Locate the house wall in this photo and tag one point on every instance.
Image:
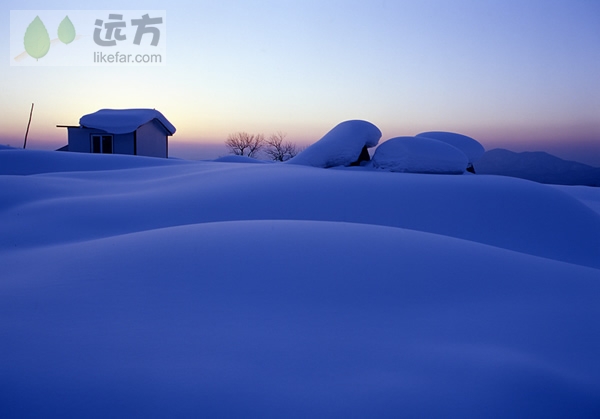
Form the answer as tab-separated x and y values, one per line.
123	143
80	140
152	140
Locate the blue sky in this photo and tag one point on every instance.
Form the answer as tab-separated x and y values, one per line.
521	75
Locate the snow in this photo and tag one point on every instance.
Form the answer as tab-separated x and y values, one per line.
341	146
213	289
471	147
419	155
589	196
27	162
238	159
123	121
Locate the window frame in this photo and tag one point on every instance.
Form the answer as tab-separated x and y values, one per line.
101	146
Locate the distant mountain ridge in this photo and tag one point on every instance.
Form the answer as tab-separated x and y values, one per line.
538	166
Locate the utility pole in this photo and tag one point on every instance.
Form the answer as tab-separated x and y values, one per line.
28	124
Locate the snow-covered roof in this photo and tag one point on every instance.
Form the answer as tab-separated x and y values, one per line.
123	121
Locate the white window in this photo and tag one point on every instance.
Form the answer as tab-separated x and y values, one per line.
102	144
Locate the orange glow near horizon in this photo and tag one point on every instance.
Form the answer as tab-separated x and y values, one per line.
303	67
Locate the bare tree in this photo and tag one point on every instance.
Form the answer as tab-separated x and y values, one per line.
277	150
244	144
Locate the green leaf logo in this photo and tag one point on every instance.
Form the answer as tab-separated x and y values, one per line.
66	31
37	40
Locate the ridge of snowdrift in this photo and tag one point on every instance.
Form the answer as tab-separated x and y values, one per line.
509	213
272	290
32	162
333	312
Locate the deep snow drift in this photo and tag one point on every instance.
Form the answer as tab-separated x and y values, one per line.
157	288
471	147
341	146
419	155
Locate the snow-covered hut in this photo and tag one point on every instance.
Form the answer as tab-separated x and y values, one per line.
142	132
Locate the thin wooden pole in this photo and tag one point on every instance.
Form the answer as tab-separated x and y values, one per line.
28	124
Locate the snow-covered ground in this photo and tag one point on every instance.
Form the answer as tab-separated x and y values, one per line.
140	287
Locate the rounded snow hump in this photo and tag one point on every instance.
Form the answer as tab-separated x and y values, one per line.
471	147
342	146
419	155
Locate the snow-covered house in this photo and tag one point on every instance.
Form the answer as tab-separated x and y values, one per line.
142	132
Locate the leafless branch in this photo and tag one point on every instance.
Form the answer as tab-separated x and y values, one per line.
244	144
277	150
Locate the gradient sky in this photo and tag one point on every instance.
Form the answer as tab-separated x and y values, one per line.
518	74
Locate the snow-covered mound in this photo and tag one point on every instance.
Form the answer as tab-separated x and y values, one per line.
589	196
500	211
123	121
537	166
207	289
238	159
342	146
471	147
28	162
292	318
419	155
